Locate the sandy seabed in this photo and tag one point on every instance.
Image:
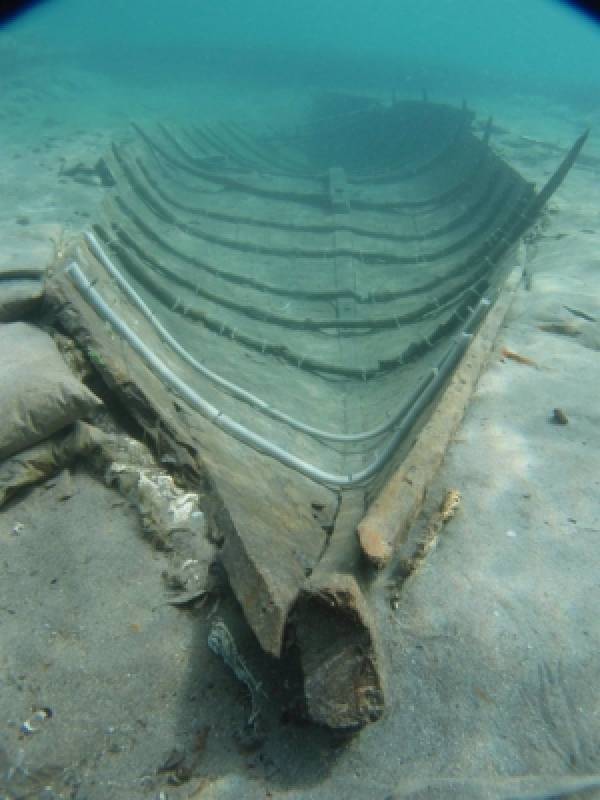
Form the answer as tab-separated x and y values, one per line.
492	653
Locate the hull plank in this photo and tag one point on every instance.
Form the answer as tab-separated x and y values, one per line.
284	312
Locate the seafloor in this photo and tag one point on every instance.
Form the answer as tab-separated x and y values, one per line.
492	654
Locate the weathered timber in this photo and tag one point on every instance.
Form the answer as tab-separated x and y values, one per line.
389	518
285	316
338	190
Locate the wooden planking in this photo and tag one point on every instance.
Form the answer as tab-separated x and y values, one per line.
287	287
389	518
269	267
271	508
254	252
307	250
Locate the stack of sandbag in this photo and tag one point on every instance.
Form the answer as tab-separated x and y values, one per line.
19	298
40	399
42	428
24	257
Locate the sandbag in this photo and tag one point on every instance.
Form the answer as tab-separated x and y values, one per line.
36	463
19	298
38	393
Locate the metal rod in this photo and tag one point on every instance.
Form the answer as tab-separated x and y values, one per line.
254	440
229	386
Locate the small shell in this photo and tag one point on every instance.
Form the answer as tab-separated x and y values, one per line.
27	729
39	715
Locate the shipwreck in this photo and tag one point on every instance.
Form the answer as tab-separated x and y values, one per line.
288	309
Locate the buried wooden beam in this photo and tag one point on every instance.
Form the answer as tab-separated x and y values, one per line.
344	678
341	663
389	518
336	634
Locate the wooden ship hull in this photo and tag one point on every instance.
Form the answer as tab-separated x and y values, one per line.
284	311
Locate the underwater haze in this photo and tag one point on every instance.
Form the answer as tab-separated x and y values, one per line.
444	45
299	420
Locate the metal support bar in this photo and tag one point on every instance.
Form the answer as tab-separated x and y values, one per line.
254	440
232	388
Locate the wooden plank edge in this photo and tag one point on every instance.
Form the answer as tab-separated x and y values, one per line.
389	518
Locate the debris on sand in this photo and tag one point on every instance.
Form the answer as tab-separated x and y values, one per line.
517	357
561	328
222	643
425	544
559	417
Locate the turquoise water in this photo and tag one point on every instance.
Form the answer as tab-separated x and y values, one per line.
538	45
493	649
